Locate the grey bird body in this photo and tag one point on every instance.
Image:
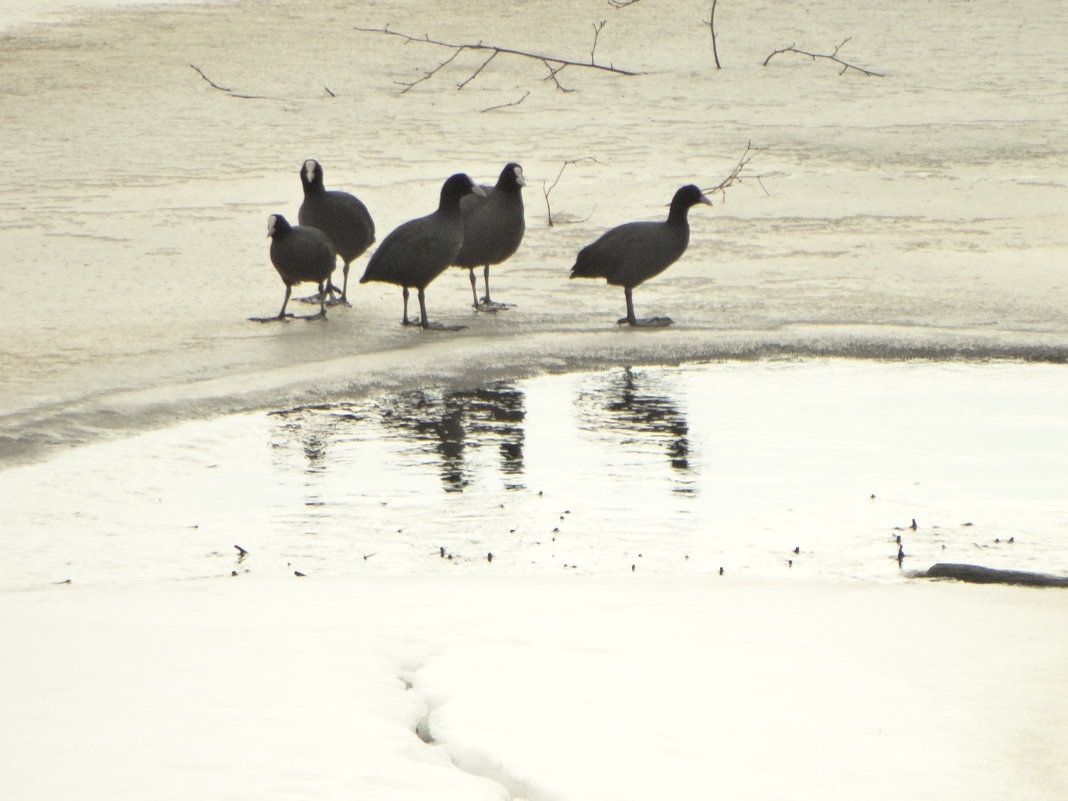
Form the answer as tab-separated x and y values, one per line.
632	253
418	251
494	225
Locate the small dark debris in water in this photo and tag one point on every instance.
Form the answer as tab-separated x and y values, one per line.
65	581
721	571
966	525
633	568
914	526
241	552
797	549
441	551
556	530
789	562
449	557
1009	541
367	556
233	573
489	556
298	574
871	497
897	537
900	555
511	531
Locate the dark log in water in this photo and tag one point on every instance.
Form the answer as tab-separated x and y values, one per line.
989	575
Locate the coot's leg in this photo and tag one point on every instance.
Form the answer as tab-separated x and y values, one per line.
281	315
426	322
404	319
629	319
647	322
345	288
474	285
486	304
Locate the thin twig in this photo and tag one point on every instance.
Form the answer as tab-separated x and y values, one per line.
506	105
211	83
474	74
554	63
830	57
226	89
597	28
739	175
712	27
547	189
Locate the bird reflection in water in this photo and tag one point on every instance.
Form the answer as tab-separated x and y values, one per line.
448	423
632	408
452	422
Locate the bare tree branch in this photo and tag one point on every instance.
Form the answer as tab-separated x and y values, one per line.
739	174
554	63
830	57
547	189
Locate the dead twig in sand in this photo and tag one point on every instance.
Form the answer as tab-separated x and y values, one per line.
506	105
227	89
554	64
547	189
711	23
739	174
828	56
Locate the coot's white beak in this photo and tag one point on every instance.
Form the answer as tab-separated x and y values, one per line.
519	179
478	190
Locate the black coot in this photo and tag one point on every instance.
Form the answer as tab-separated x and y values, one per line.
299	253
493	229
341	216
417	252
634	252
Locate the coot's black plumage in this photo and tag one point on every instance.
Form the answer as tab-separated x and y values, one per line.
418	251
299	253
493	228
634	252
341	216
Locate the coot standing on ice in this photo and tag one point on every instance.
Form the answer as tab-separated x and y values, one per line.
299	253
418	251
634	252
493	228
341	216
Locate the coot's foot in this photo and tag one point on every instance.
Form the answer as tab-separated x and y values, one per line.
647	322
276	319
443	327
487	305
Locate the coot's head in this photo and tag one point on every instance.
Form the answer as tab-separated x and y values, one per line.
689	195
459	185
277	224
511	177
311	174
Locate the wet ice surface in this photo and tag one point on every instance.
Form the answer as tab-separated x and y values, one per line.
678	471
